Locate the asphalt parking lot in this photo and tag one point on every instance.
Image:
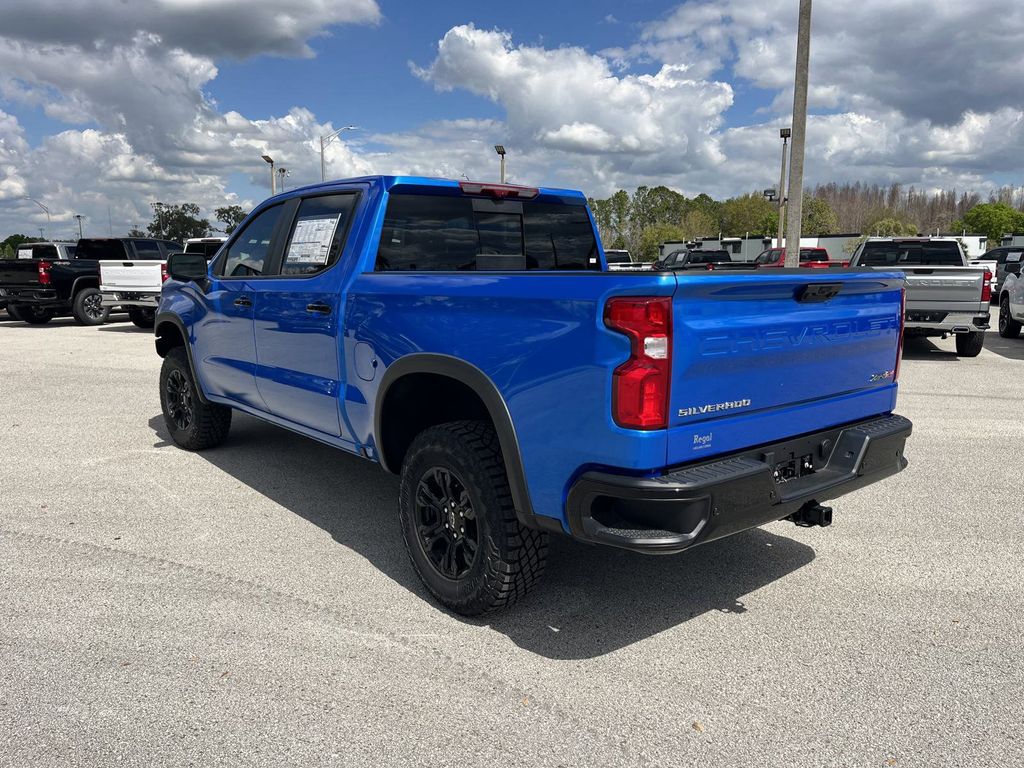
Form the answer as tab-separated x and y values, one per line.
253	605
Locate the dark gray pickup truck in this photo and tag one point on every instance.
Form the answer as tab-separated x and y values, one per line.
945	296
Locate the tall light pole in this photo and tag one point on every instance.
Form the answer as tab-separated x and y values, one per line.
79	217
794	210
273	178
500	149
784	134
47	210
282	172
324	141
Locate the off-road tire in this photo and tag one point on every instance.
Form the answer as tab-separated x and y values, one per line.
32	315
207	425
1008	327
143	317
87	309
970	344
509	558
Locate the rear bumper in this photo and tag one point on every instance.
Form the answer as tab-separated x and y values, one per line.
129	298
947	322
36	296
699	503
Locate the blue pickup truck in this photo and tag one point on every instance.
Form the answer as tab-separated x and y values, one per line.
470	338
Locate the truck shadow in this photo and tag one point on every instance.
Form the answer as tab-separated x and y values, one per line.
592	600
923	348
1012	349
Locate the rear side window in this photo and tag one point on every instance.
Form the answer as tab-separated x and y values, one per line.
247	256
318	235
44	252
112	250
440	233
148	250
894	254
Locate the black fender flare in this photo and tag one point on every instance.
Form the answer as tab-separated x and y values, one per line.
165	318
83	279
481	384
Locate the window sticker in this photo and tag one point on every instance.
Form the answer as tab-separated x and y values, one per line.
311	242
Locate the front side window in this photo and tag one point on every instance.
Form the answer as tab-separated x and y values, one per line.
442	233
248	254
317	237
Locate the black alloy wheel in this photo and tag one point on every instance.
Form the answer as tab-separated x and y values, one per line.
446	523
93	306
179	400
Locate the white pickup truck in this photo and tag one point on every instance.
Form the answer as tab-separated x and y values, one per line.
136	283
945	294
1011	298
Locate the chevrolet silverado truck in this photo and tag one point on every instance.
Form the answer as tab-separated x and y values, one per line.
41	288
47	251
470	338
135	283
1011	297
945	295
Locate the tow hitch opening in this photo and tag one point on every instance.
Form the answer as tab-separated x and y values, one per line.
811	514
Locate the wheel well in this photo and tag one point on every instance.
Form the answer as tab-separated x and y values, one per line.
168	336
417	401
84	282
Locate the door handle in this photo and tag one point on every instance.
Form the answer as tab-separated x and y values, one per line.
320	309
243	301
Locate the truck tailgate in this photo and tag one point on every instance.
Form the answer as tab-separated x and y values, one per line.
131	275
950	289
758	357
19	272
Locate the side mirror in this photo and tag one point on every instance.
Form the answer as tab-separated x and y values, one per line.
187	267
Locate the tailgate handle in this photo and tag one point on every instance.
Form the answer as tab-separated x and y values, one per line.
815	293
127	264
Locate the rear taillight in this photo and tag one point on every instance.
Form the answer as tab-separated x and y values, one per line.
44	272
986	290
903	324
640	386
163	273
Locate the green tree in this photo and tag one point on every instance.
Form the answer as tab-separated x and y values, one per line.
178	222
710	208
817	217
890	226
654	235
15	240
992	219
748	214
6	252
697	223
230	216
136	232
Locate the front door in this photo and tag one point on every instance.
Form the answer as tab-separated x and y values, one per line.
225	345
297	323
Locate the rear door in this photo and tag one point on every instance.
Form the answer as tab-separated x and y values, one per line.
297	317
225	347
759	356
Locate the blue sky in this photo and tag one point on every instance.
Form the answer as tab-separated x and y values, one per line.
107	104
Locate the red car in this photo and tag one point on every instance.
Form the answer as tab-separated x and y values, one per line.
816	258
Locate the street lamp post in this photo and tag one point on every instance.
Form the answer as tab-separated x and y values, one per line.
79	217
273	178
794	211
47	211
784	134
282	172
324	141
500	149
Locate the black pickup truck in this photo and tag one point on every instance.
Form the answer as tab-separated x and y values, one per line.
39	289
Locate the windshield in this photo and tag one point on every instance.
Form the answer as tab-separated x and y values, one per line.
884	253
